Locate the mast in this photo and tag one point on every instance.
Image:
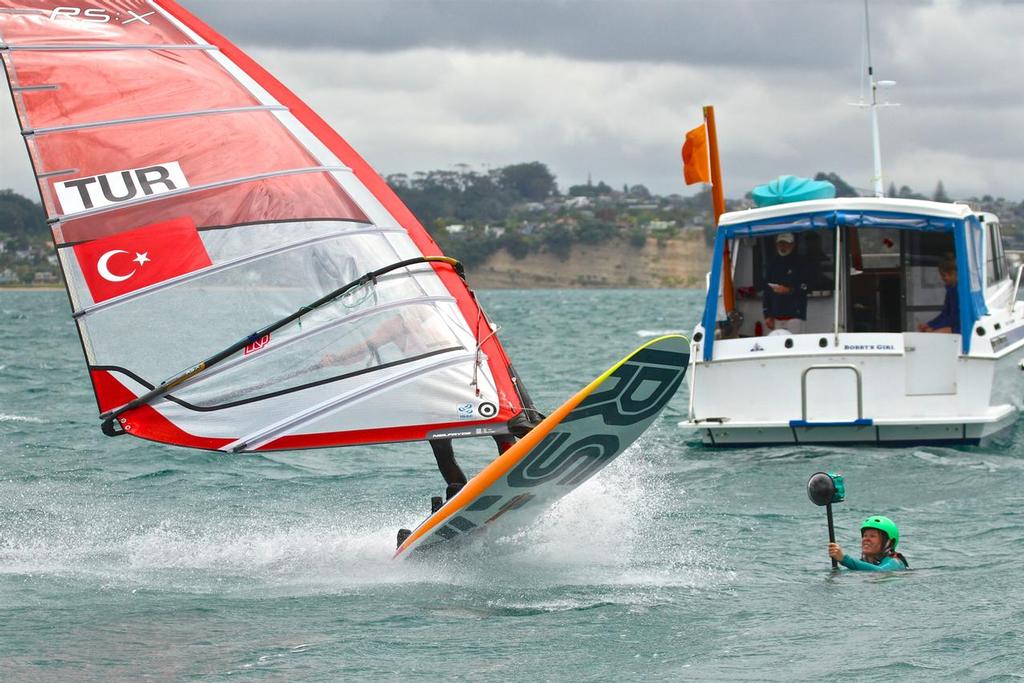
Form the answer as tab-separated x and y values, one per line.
873	105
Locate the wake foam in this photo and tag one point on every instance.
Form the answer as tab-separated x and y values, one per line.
624	534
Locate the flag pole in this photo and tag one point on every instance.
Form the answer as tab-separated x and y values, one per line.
718	204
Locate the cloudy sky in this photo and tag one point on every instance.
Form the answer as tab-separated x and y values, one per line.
608	88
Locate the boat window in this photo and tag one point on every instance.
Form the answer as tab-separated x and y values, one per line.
879	248
925	292
815	249
874	288
995	257
812	269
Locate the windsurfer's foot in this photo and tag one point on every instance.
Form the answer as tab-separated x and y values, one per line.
522	423
402	535
435	503
452	490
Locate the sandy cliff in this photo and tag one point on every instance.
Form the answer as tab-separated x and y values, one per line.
679	262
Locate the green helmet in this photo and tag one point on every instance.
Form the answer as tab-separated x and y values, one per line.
883	524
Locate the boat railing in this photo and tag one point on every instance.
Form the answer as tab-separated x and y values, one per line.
803	422
1016	286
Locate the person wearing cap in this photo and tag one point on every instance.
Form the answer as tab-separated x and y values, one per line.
784	299
878	538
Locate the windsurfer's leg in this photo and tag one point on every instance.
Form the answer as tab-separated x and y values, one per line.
504	441
445	456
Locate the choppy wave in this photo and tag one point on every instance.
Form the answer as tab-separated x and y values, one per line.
4	417
660	333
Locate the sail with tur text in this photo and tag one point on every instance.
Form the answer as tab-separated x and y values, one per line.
240	277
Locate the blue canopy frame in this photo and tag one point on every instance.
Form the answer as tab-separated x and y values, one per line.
968	239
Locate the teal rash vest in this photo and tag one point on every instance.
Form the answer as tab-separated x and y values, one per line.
888	564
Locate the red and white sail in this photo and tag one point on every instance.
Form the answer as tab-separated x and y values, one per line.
193	200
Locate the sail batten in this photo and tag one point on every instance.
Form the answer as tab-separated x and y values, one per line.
196	206
153	117
89	47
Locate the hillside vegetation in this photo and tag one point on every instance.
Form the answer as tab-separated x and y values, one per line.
512	214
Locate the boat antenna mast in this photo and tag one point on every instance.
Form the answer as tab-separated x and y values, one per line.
873	105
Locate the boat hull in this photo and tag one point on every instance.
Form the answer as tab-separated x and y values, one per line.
898	389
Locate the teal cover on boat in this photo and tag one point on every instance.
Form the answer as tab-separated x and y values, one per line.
788	188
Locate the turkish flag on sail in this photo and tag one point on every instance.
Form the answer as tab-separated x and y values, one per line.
129	260
696	167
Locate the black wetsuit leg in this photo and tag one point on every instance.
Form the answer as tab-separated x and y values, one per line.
504	441
445	456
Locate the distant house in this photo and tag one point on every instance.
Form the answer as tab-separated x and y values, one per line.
8	277
44	277
455	228
577	202
494	230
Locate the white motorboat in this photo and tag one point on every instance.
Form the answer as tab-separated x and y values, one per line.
859	370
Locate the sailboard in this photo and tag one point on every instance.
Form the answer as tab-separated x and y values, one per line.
241	279
568	447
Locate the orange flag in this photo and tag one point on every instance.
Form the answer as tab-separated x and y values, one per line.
696	168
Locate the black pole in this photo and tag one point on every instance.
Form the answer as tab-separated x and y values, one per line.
831	532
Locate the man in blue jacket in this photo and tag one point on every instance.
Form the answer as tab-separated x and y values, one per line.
948	320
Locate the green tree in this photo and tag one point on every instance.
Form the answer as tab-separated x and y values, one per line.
843	189
21	216
558	239
531	182
516	244
940	194
593	231
637	238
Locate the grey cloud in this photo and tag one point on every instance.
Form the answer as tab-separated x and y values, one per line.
805	34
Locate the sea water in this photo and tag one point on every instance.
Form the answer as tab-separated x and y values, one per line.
122	559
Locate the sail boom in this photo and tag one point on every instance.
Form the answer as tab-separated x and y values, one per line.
226	265
233	364
264	436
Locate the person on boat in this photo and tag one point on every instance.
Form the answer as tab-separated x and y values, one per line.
948	320
878	538
784	300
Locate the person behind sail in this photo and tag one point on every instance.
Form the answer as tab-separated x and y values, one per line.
878	538
405	333
784	300
414	331
948	320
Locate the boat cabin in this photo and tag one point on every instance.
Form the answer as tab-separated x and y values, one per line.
857	319
863	265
